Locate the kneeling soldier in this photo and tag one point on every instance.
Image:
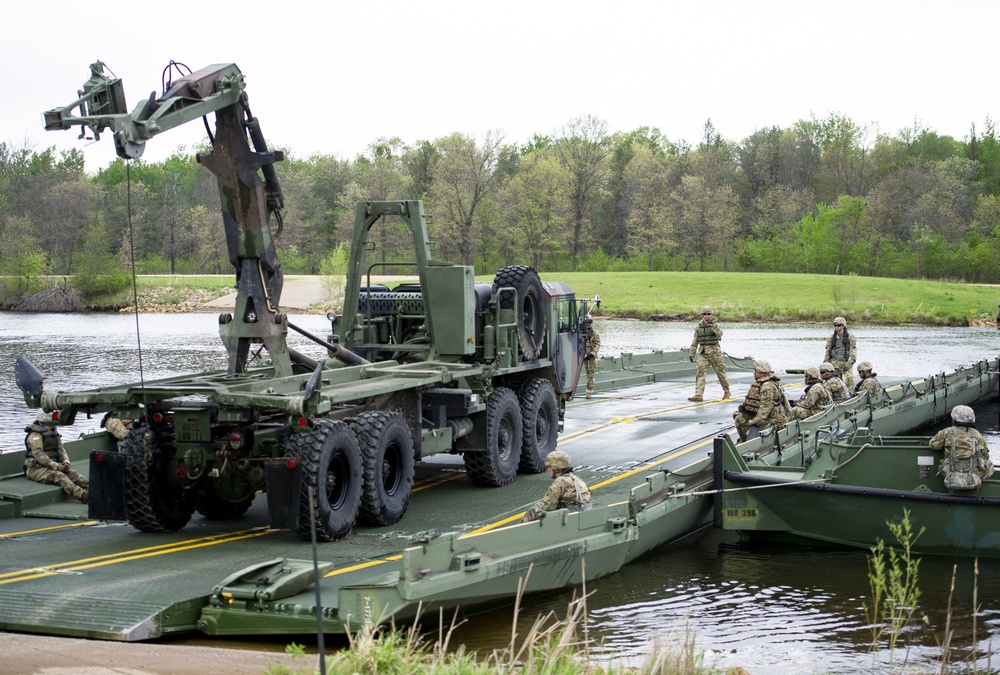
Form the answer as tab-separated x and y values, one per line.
568	491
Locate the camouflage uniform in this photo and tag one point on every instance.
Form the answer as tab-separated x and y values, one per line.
765	406
707	336
567	491
592	346
838	390
965	448
46	461
868	382
842	352
117	427
814	399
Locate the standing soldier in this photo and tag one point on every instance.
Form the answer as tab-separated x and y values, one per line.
838	390
869	380
765	406
592	345
46	461
707	336
842	351
814	398
567	491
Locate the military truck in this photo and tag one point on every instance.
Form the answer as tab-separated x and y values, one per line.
440	365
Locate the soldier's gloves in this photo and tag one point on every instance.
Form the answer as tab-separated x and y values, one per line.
691	358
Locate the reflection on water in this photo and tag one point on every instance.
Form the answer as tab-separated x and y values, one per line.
771	608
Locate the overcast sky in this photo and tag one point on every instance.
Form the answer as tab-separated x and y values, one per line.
331	77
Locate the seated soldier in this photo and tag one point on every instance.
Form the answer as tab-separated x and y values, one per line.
838	390
869	380
46	461
567	491
765	405
814	398
967	457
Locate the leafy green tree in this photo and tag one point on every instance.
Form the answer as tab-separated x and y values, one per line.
583	150
649	227
465	175
536	206
704	219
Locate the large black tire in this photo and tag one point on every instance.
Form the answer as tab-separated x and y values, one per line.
332	468
540	413
214	507
386	466
497	466
154	502
530	315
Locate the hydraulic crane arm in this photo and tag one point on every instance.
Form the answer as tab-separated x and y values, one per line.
248	201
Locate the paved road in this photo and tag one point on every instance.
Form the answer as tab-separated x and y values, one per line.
302	293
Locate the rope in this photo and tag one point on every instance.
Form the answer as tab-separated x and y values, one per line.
703	493
135	283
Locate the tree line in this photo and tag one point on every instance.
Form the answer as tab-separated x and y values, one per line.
827	196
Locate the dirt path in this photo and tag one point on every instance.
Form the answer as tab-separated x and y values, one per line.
43	655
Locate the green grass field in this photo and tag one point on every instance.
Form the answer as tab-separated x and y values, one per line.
734	296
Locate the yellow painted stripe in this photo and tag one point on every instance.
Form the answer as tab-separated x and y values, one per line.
82	523
135	554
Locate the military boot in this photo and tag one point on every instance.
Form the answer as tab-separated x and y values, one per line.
589	394
725	395
696	398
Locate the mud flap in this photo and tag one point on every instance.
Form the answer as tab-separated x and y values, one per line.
284	485
107	486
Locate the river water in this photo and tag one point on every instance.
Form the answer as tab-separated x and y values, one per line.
766	607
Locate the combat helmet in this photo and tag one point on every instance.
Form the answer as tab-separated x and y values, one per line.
864	365
44	418
762	366
706	310
812	372
826	367
963	414
558	459
841	320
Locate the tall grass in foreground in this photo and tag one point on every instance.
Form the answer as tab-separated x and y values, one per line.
893	577
551	646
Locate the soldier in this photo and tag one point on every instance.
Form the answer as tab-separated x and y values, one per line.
842	351
967	460
592	345
46	461
707	336
765	406
116	426
838	390
869	380
814	398
567	491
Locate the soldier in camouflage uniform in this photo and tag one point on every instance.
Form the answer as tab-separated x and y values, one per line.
838	390
965	448
765	406
46	461
592	345
707	336
869	380
842	351
814	398
567	491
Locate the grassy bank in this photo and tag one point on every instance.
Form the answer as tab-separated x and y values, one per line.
680	295
786	297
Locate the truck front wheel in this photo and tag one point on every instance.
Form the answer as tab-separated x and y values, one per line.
332	468
387	466
497	466
540	412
